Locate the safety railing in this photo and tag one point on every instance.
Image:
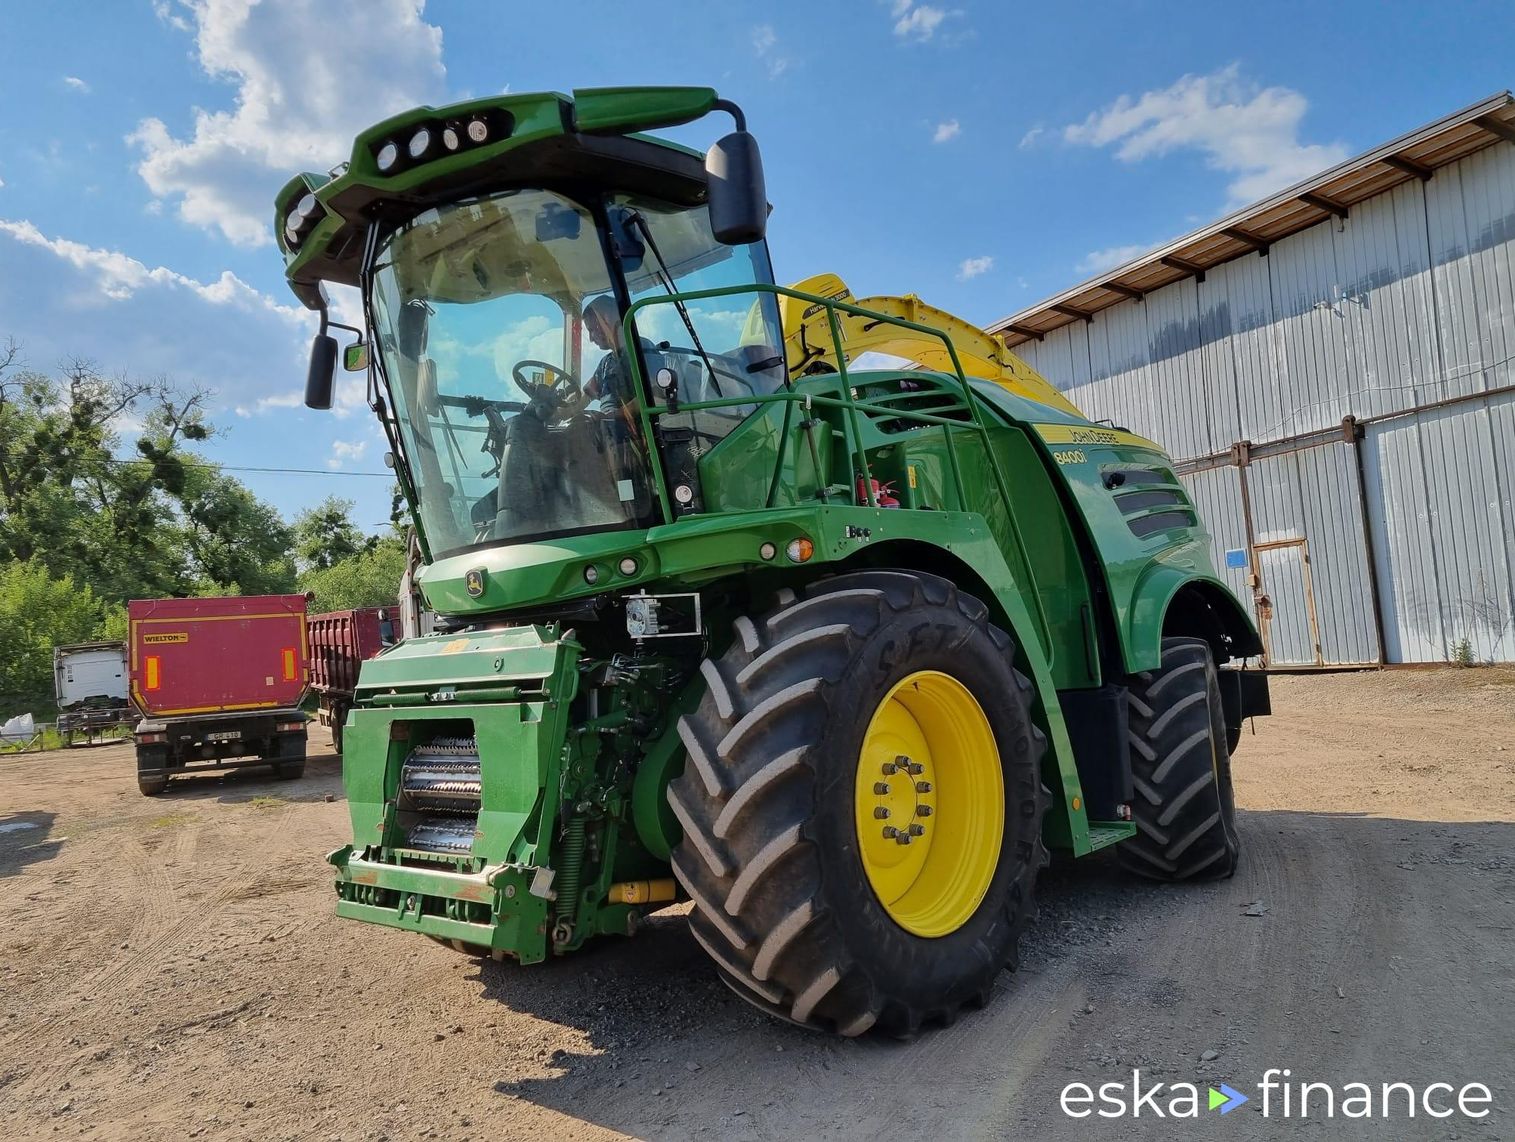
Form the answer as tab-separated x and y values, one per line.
860	473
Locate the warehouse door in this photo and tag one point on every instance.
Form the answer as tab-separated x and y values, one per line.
1290	633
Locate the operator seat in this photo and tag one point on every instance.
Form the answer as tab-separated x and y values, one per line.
530	478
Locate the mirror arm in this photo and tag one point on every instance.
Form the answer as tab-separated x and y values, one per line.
327	322
733	110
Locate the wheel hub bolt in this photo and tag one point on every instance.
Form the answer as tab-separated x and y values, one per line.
917	830
890	832
914	767
881	787
901	838
890	769
881	813
923	787
923	810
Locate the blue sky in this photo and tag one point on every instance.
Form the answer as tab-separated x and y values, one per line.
982	155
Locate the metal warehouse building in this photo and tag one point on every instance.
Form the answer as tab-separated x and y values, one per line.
1332	369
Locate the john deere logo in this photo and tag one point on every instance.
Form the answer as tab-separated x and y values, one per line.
473	582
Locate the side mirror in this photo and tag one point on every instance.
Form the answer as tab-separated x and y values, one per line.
322	371
738	200
355	357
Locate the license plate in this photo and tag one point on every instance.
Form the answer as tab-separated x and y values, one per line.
224	736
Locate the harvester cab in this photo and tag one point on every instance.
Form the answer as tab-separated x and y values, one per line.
833	653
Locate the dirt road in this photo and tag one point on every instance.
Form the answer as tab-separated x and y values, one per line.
171	967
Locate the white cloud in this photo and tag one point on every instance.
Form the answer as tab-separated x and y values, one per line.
765	45
947	131
308	74
117	276
269	404
1247	131
1098	261
66	299
1030	137
973	267
917	22
346	451
74	83
164	10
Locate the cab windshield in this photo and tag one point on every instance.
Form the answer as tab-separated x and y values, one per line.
502	344
478	309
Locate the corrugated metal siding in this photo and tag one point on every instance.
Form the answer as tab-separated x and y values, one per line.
1307	317
1217	494
1445	549
1289	629
1386	301
1311	496
1409	301
1338	553
1399	502
1249	297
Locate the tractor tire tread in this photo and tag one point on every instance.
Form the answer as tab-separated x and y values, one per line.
747	859
1184	808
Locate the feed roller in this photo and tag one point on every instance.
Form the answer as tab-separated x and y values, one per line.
441	782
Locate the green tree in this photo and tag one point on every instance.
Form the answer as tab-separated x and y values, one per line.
68	500
37	613
371	578
325	535
235	541
146	522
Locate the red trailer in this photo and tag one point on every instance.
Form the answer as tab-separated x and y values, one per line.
340	642
219	683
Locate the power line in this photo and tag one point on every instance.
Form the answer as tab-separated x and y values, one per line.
211	466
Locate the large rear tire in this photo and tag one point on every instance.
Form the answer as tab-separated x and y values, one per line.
822	890
151	786
1184	808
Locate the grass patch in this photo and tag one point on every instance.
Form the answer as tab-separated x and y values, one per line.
265	802
170	821
48	738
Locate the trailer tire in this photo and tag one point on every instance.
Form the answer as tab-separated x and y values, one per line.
784	785
290	770
338	716
151	786
1184	806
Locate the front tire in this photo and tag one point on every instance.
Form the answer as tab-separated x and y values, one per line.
1184	807
879	690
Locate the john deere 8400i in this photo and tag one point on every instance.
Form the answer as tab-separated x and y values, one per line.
834	654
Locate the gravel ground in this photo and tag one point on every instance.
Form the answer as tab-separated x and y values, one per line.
171	967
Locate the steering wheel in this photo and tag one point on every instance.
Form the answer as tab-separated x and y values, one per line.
544	389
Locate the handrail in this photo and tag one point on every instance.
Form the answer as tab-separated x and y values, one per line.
848	402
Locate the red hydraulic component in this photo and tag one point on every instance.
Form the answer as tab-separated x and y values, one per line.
882	493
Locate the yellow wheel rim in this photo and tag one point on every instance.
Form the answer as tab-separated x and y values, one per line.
930	804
